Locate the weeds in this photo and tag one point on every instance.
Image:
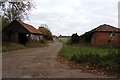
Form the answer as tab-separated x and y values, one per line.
94	55
10	46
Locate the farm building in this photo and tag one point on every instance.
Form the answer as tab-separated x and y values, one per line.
18	31
102	35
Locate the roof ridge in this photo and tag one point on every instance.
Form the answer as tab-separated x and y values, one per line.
28	27
104	25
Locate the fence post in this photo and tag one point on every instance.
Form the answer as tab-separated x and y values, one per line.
112	36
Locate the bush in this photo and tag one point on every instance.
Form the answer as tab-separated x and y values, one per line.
87	57
47	33
74	38
112	60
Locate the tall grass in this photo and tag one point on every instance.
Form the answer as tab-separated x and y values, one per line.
69	50
11	46
95	55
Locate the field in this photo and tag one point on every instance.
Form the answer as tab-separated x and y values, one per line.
95	55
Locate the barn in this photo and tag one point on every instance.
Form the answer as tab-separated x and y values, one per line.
102	35
18	31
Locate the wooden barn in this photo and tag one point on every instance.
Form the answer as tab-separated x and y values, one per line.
18	31
102	35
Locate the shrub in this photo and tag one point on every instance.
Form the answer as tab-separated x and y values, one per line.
87	57
74	38
112	60
47	33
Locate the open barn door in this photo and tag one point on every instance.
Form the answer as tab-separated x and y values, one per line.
22	37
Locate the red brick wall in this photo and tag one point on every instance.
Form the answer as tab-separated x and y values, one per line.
117	39
101	38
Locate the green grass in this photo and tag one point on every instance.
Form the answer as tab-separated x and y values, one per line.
95	55
69	50
11	46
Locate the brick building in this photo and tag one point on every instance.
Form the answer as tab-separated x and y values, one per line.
102	35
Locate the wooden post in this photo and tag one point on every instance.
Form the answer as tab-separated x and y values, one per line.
112	36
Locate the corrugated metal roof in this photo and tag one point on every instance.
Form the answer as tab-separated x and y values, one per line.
30	28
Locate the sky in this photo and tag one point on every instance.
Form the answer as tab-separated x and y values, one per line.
65	17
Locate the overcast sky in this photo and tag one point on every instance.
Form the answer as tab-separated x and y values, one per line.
73	16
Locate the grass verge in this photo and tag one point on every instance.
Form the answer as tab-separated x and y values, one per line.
93	55
11	46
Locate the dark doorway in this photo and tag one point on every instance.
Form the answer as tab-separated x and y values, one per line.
88	38
22	38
